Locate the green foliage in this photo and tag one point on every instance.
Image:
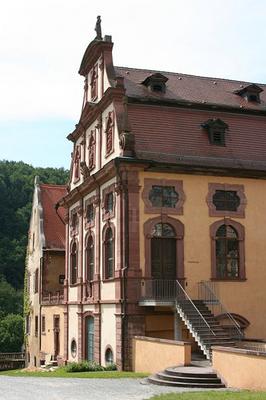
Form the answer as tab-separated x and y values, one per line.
212	395
16	191
84	366
110	367
11	333
10	299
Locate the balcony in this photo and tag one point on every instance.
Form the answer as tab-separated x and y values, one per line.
158	292
56	297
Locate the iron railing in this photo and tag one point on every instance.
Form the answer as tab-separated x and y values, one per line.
207	293
161	290
12	356
53	297
183	300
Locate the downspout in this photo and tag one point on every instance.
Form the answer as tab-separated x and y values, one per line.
125	261
40	303
66	277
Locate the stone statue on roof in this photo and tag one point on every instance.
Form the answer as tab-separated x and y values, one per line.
98	28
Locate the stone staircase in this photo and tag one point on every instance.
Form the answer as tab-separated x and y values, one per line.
202	325
190	377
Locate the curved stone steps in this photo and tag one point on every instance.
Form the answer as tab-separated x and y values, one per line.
190	377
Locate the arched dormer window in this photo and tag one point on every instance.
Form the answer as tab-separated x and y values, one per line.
109	251
156	83
250	92
227	250
90	259
74	264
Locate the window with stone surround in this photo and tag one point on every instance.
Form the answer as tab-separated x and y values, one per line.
73	263
163	195
108	202
109	252
226	200
227	250
90	258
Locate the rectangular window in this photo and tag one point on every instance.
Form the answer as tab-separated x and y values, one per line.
36	281
56	322
36	325
43	323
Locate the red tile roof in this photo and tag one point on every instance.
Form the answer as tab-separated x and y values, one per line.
190	88
54	228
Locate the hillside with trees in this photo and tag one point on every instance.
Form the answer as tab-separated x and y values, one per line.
16	191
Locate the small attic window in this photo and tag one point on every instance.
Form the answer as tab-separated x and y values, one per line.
216	129
251	93
156	83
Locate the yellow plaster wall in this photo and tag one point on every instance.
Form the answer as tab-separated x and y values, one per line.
246	298
47	338
55	268
153	355
243	371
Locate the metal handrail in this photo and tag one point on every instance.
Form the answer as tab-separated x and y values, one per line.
215	300
179	286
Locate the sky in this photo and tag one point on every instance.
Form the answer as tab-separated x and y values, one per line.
42	43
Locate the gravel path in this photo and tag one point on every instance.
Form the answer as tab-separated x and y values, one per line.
18	388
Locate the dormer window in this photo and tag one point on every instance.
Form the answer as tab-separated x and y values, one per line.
251	93
216	131
156	83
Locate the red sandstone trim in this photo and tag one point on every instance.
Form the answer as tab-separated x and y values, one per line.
224	186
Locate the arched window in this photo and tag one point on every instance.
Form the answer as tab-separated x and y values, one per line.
73	263
90	259
109	253
227	250
163	252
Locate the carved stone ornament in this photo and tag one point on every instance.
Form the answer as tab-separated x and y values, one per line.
127	143
98	28
84	169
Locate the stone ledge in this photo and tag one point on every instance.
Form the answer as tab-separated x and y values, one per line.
238	351
158	340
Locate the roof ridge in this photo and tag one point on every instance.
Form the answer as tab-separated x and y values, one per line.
51	185
190	75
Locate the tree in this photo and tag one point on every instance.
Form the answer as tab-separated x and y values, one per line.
11	333
10	299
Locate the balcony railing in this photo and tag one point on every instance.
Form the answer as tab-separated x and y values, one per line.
159	290
53	297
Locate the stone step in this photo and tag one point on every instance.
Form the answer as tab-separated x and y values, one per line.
195	379
157	381
190	376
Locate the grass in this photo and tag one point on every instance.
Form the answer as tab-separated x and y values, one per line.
62	373
225	395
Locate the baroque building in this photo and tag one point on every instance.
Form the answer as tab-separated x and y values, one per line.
166	203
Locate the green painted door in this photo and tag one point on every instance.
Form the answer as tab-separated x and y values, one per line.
90	338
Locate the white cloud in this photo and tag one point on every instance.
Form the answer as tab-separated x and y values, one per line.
42	43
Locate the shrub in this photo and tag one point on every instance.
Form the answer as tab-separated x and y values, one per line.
84	366
110	367
88	366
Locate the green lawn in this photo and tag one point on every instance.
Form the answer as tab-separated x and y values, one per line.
61	373
241	395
